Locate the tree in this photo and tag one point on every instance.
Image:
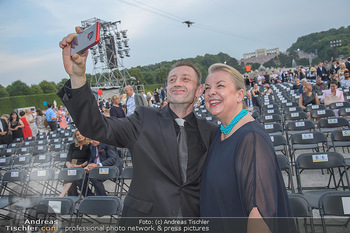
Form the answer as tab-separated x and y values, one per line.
48	87
136	72
18	88
161	75
61	83
149	77
3	92
36	89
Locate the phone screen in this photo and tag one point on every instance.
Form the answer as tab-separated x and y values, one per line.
85	40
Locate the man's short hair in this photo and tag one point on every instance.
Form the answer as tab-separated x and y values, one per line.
190	64
49	105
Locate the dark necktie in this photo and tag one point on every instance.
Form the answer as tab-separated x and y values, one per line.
182	148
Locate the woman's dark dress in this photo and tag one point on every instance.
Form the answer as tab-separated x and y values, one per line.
81	156
242	172
16	133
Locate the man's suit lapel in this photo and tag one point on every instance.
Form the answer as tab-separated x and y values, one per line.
169	141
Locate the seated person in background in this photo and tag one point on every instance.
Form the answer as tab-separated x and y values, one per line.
320	86
78	156
267	89
308	97
345	83
303	83
102	155
255	95
334	77
332	95
296	83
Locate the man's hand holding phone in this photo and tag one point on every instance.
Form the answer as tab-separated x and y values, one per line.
74	65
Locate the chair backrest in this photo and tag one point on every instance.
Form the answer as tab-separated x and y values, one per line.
273	127
104	173
14	176
320	160
9	151
335	203
295	116
41	158
60	157
270	118
14	145
56	205
100	205
42	175
300	125
71	174
28	143
57	147
278	140
22	160
289	104
24	151
127	173
341	135
339	105
308	138
309	108
55	141
333	123
300	206
322	113
292	109
29	139
344	112
5	163
271	111
40	149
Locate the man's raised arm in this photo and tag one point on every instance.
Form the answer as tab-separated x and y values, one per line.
75	65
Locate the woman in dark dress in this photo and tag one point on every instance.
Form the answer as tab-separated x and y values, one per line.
78	156
16	126
308	97
241	177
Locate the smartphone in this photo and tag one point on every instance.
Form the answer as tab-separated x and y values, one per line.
85	40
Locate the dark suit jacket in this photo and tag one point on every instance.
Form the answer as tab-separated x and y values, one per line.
5	139
322	73
156	189
108	155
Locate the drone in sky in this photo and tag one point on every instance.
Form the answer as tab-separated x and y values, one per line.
189	23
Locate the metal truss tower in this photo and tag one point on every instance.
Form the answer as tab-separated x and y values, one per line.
107	56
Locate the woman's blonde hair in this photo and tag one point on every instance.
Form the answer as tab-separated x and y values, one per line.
86	141
237	78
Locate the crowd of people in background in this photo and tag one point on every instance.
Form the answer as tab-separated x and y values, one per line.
28	123
316	84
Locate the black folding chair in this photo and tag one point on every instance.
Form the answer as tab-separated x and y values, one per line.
308	163
335	204
301	209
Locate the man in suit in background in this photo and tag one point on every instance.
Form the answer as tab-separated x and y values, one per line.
322	72
5	137
158	187
133	100
102	155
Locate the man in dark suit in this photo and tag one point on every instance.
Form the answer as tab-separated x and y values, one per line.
5	137
158	188
102	155
133	100
322	72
